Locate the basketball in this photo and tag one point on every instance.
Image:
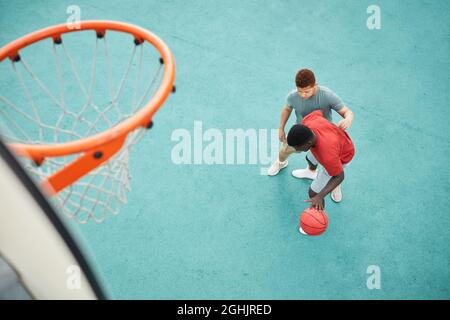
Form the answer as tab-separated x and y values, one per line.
314	222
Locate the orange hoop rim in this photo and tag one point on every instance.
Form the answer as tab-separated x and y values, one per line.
141	118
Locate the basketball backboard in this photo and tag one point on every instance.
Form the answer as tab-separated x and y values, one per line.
40	257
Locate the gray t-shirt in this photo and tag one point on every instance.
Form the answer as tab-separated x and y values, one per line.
324	100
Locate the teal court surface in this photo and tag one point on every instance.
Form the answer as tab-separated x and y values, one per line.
202	229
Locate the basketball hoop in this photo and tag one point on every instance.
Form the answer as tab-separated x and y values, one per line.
80	154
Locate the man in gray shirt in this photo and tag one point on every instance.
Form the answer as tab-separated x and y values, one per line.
308	97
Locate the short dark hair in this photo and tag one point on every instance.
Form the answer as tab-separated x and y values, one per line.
305	78
299	135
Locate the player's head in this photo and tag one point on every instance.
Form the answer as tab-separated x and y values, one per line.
306	83
300	137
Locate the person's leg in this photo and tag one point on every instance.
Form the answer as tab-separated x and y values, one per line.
281	162
319	183
311	171
336	194
312	162
285	151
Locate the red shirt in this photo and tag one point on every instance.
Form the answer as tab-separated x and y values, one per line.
333	148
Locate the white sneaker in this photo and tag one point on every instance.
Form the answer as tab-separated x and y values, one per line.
276	167
336	194
301	231
305	173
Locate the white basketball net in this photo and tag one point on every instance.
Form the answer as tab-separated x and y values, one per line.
53	105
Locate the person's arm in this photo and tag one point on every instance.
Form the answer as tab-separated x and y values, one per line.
347	114
317	200
285	113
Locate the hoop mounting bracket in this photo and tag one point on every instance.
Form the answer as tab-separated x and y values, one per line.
81	166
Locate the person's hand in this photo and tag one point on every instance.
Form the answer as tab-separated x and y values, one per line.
344	124
282	135
316	202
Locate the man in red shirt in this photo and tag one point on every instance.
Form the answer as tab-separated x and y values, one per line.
332	148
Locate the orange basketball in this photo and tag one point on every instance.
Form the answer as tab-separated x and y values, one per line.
314	222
